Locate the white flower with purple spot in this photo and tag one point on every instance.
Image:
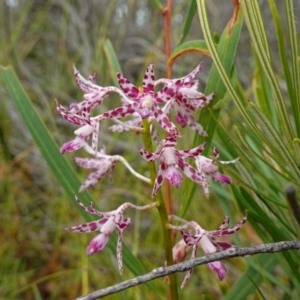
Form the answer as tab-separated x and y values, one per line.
83	133
106	225
187	99
208	167
145	102
104	165
207	240
172	161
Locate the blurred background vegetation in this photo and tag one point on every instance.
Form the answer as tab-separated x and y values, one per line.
39	260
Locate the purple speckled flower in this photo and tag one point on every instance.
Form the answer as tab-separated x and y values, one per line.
104	164
106	225
207	240
80	113
145	102
171	160
208	167
187	99
88	128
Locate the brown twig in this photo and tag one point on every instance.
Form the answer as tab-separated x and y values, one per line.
184	266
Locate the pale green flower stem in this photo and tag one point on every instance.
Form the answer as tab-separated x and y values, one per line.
162	211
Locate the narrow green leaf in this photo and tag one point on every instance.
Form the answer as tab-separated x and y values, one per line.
253	20
113	62
227	46
296	144
294	40
275	140
281	40
255	154
190	46
256	287
188	20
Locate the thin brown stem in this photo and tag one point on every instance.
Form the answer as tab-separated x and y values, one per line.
167	12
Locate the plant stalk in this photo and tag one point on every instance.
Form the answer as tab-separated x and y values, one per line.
162	212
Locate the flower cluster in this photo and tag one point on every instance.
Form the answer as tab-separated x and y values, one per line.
156	105
207	240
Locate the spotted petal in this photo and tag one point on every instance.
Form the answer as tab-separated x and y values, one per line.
71	117
164	121
148	82
103	166
230	230
98	243
120	112
86	86
192	152
148	155
190	172
225	223
74	145
190	121
129	89
88	227
219	268
168	92
160	176
190	239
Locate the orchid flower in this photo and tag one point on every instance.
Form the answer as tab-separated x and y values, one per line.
187	99
79	113
171	160
104	164
145	102
83	133
94	94
208	167
106	225
207	240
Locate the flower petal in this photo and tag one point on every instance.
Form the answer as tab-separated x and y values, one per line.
97	244
174	176
88	227
148	155
123	225
129	89
230	230
191	153
179	251
119	252
148	82
219	268
72	118
160	176
74	145
222	178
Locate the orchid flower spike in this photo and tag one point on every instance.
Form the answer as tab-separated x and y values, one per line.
171	160
207	240
106	225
